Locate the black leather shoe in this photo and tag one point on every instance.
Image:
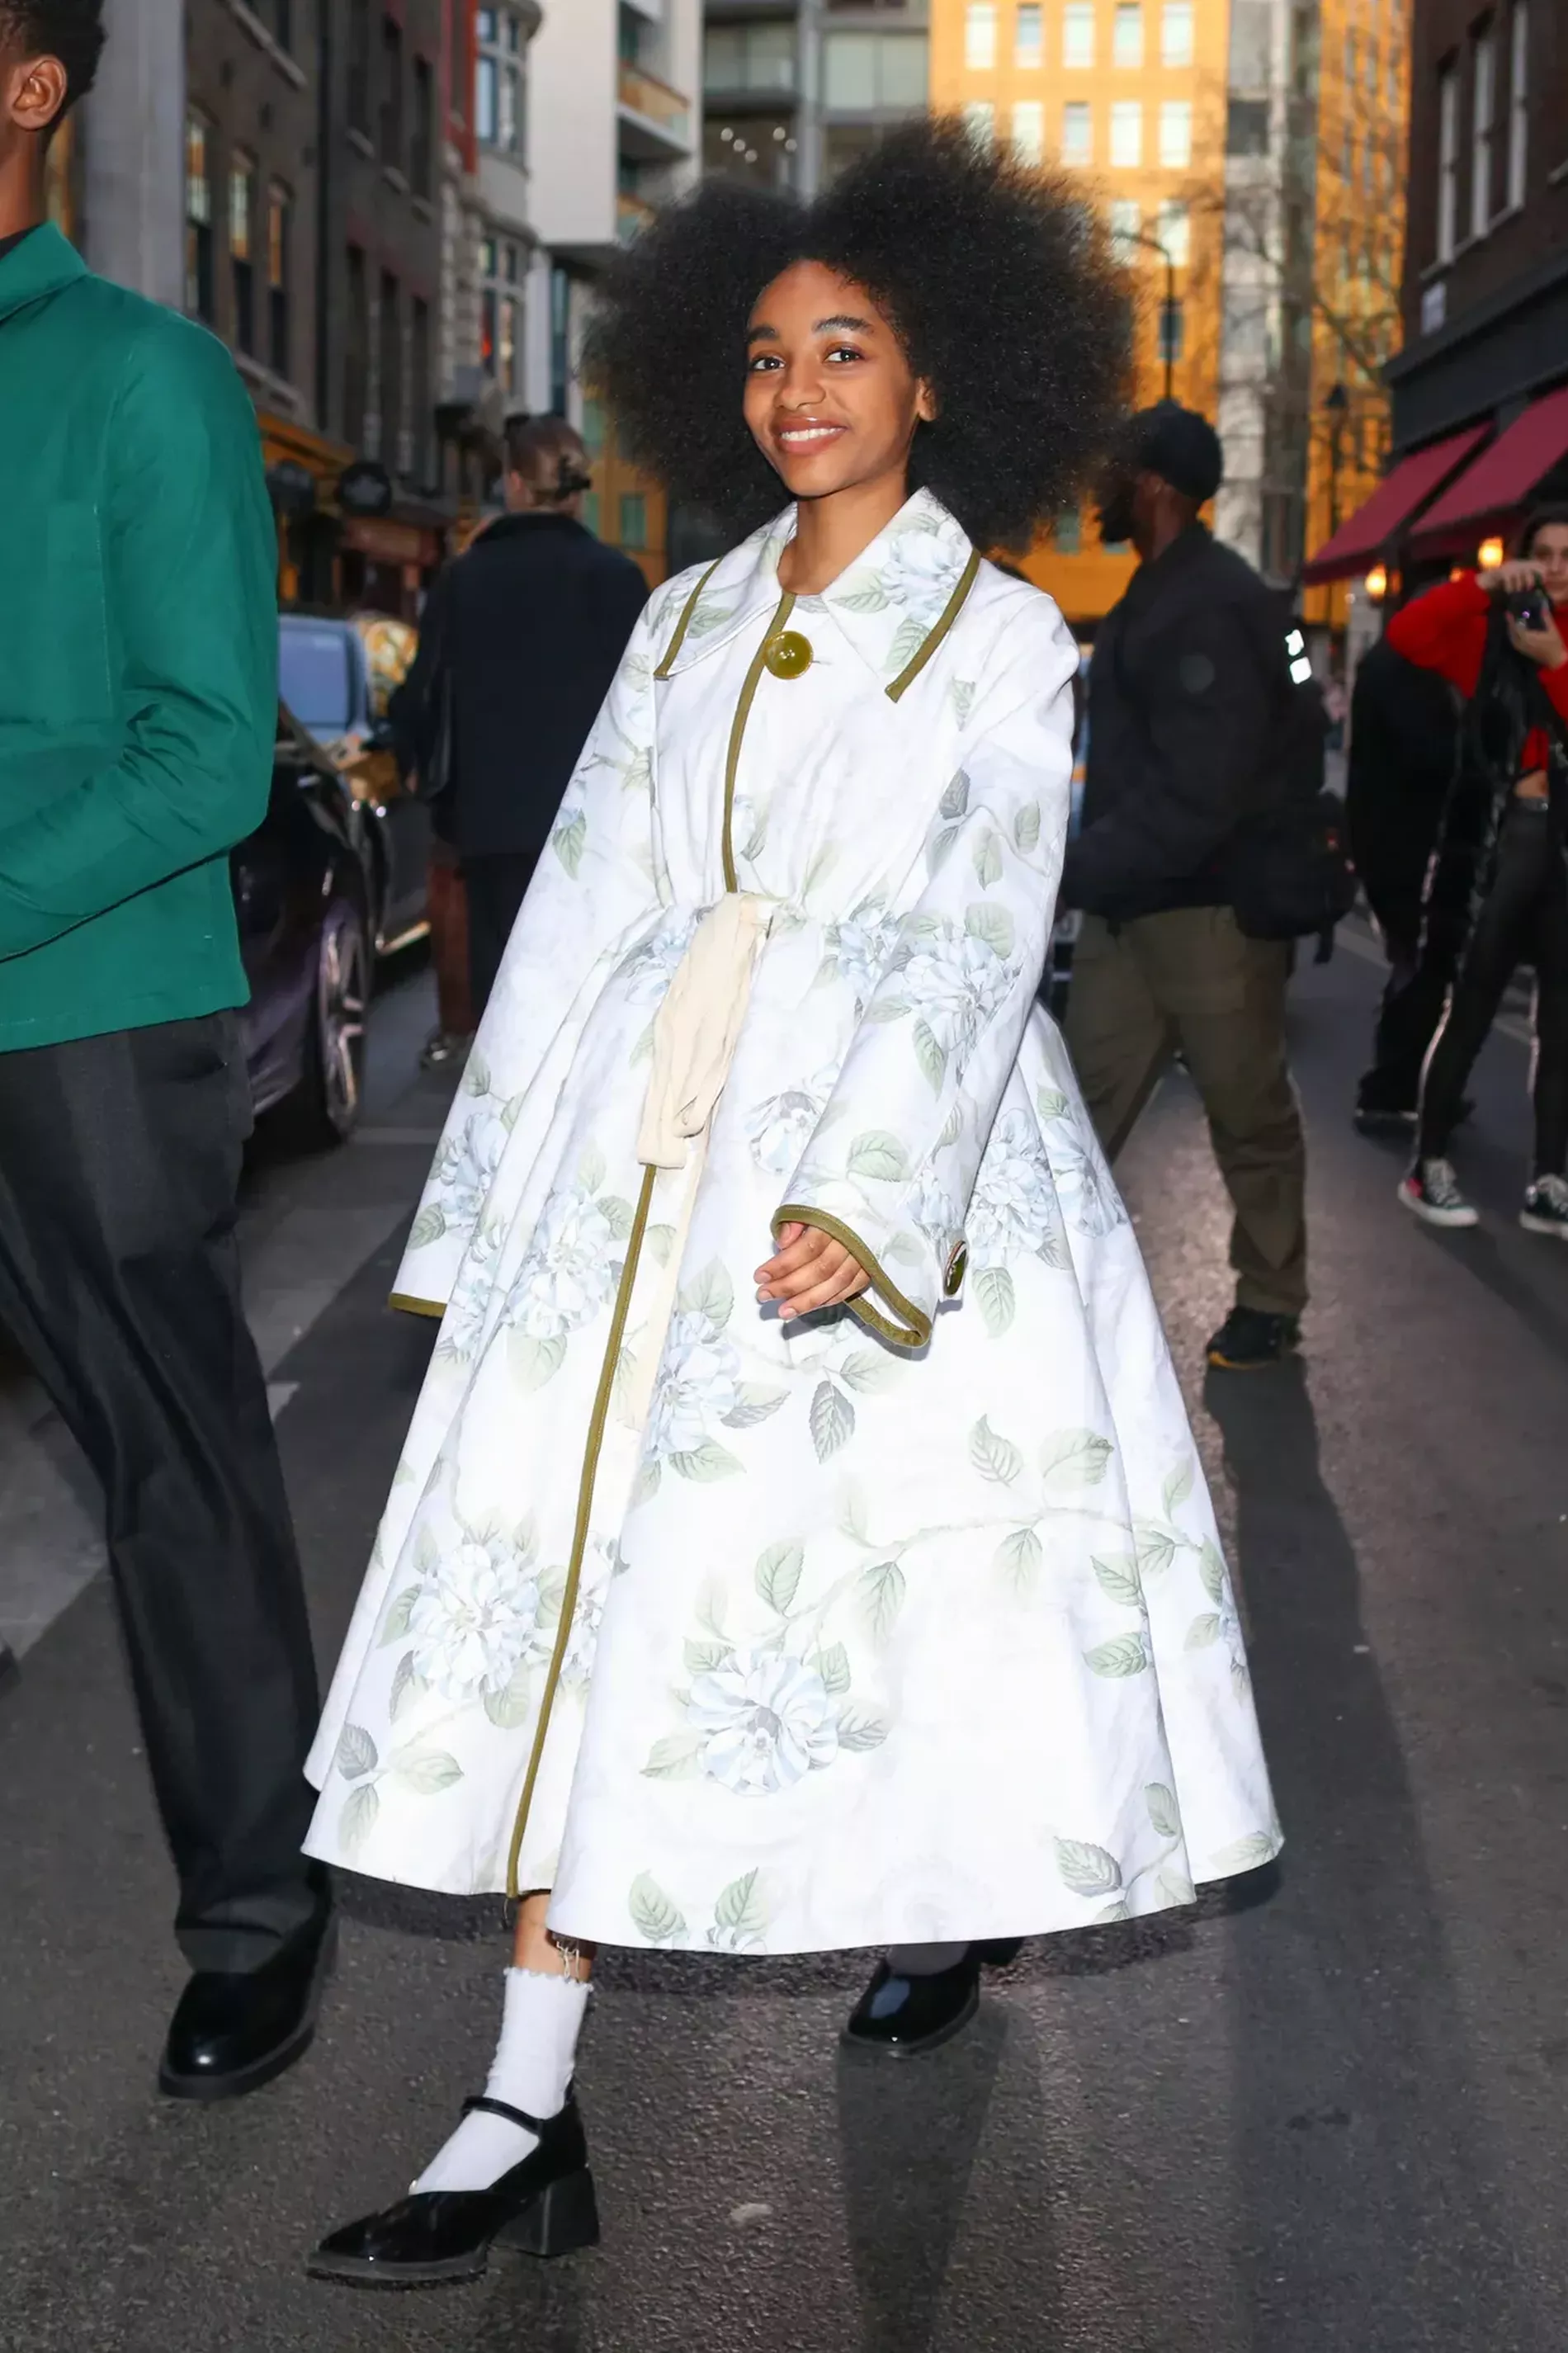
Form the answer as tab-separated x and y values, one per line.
898	2016
234	2031
544	2206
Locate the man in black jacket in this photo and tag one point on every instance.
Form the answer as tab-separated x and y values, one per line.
520	637
1186	703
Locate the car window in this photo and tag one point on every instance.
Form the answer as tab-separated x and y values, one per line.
313	678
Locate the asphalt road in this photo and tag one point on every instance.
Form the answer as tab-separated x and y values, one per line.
1334	2119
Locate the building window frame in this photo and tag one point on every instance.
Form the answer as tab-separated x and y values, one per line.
1127	34
1176	33
980	35
1078	36
1483	114
280	226
503	271
1518	104
198	215
1127	135
500	109
391	142
242	226
1029	130
1176	134
1448	159
1077	133
1029	36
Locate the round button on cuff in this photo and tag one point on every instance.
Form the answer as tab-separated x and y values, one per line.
788	654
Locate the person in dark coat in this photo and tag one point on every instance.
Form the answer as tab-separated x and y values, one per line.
524	633
1187	697
1403	741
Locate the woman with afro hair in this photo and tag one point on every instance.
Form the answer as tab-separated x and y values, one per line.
799	1542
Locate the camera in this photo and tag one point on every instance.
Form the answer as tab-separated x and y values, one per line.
1531	607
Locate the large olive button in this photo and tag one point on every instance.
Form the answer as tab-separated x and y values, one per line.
788	654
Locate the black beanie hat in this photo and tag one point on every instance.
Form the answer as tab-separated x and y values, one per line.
1178	445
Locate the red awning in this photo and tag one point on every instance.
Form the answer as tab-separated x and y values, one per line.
1492	490
1364	536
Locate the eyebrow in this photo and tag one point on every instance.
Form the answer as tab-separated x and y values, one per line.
842	319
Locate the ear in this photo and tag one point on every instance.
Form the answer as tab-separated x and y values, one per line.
36	94
926	404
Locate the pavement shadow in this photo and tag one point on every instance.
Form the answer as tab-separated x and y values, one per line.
1347	2127
1542	1312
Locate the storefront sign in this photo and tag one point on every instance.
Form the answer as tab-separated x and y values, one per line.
364	488
391	542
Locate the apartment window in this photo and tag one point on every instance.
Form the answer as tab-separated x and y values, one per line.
869	72
356	349
420	392
1448	160
980	121
1126	134
1126	219
1518	101
1172	333
1078	140
561	354
1029	36
390	326
279	207
1127	34
497	84
241	247
634	519
392	91
1066	533
359	65
422	139
1174	234
1176	134
1483	93
500	311
1029	130
749	56
1247	128
198	217
1176	33
1077	33
980	34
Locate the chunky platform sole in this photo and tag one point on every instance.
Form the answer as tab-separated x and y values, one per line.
560	2221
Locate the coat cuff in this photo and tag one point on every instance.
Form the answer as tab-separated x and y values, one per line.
908	1278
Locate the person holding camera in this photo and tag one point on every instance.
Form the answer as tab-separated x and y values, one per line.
1499	880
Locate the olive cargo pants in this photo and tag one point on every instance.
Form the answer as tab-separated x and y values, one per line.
1190	979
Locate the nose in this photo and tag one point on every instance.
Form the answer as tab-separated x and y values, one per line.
800	385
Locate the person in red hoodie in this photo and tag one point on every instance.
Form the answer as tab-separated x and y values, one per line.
1499	883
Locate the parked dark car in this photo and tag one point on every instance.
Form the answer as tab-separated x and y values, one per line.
300	896
335	675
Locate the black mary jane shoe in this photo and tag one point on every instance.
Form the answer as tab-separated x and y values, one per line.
545	2206
234	2031
897	2017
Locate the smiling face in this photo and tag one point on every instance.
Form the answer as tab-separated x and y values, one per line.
831	400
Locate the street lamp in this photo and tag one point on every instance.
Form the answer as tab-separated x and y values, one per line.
1168	319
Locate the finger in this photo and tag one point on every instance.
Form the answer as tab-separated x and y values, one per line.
828	1268
802	1244
823	1294
799	1264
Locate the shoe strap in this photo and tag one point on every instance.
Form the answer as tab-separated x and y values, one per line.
538	2126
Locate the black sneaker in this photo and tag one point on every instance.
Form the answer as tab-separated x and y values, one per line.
1546	1209
1431	1192
1251	1339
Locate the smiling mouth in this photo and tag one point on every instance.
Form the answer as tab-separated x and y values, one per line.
803	437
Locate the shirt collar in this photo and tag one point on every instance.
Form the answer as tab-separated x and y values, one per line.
40	263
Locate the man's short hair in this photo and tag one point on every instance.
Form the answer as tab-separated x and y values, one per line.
547	453
72	30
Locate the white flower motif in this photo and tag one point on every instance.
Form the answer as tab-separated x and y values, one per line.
1012	1210
958	983
464	1323
474	1617
934	1211
569	1271
862	944
648	970
466	1168
918	572
581	1644
764	1721
781	1128
699	1384
1087	1190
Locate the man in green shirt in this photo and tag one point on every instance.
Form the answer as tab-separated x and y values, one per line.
138	705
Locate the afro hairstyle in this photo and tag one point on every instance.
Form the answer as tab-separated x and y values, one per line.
72	30
996	278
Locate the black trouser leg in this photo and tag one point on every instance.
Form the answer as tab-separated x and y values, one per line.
1408	1015
1549	1077
120	1278
1501	933
497	886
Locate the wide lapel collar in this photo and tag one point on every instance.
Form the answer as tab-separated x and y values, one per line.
732	595
902	590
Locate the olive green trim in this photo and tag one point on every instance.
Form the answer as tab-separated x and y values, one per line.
742	712
950	612
957	1268
407	1304
685	621
586	1484
915	1330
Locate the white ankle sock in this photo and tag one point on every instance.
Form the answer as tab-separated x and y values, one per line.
923	1960
540	2021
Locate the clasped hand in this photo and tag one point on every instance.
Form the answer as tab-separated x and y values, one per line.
809	1269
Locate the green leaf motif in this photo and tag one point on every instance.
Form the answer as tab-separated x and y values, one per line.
705	1463
988	859
1050	1104
879	1155
859	1732
868	1370
1175	1887
407	1687
1026	827
646	1483
993	926
704	1658
357	1820
909	637
476	1075
533	1362
427	1550
1246	1854
741	1909
852	1512
429	1227
513	1707
356	1752
713	1295
1203	1632
673	1758
1112	1913
995	1457
931	1054
660	1240
1178	1487
754	1404
427	1770
998	1301
832	1421
777	1576
568	842
1122	1656
1119	1580
870	598
955	800
399	1615
881	1591
1019	1556
617	1215
833	1666
1162	1810
657	1920
1211	1568
1071	1459
591	1168
963	698
1156	1545
1087	1869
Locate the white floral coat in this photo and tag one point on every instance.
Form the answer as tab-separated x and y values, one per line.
904	1622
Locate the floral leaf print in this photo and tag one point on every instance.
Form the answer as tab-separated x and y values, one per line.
1119	1580
1203	1632
963	698
1111	1914
1156	1545
1163	1810
408	1686
1071	1458
908	639
998	1302
429	1227
656	1918
777	1576
712	1294
941	844
569	839
617	1215
660	1240
988	859
880	1154
740	1907
399	1615
591	1168
859	1733
356	1752
763	1721
832	1421
476	1075
357	1820
867	1371
705	618
513	1706
531	1362
1246	1854
705	1462
833	1666
1019	1556
992	926
1087	1869
852	1513
955	800
931	1054
1178	1487
428	1770
701	1658
675	1757
881	1590
1175	1886
1026	827
754	1404
995	1457
1124	1655
1050	1104
1211	1568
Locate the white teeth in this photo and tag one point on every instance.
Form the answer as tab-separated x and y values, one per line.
809	432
